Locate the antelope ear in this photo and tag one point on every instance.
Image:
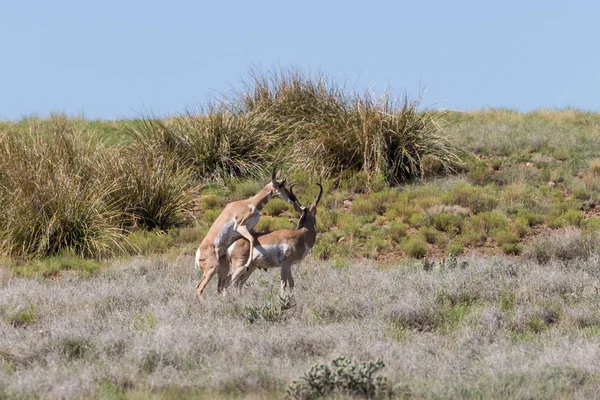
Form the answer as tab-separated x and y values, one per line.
273	175
278	175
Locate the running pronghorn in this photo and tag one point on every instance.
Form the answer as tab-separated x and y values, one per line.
237	220
279	249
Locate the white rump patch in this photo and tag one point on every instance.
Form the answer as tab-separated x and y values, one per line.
197	260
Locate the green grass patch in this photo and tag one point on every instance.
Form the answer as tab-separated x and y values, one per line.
53	266
415	247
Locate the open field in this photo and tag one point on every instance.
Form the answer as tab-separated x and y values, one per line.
460	248
494	328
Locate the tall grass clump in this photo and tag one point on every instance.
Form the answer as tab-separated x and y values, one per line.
61	190
153	191
217	145
53	197
328	130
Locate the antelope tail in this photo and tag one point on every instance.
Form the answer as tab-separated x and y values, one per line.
197	260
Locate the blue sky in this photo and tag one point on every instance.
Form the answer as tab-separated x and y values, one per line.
117	59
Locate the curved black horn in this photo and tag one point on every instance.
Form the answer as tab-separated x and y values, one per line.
319	195
293	196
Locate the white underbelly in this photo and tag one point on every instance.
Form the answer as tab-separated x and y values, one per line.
270	256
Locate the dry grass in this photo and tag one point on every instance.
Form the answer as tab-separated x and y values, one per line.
62	190
329	130
216	145
498	328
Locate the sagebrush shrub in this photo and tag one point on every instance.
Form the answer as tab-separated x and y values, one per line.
344	377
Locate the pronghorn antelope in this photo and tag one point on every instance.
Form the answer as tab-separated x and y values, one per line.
279	249
237	220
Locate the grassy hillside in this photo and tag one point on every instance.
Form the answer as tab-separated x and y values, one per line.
456	255
520	175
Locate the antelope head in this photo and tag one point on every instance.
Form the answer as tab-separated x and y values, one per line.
278	189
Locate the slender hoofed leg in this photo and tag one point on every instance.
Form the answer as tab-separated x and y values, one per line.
242	230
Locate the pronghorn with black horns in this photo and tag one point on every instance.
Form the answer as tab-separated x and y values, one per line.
278	249
236	221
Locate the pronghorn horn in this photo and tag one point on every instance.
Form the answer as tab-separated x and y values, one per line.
319	195
293	196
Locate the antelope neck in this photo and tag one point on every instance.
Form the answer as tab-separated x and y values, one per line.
261	198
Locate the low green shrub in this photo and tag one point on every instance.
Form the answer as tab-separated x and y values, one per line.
446	222
415	247
476	199
486	223
532	218
396	231
455	248
417	220
479	175
271	311
572	218
362	206
345	377
374	246
521	227
591	224
473	238
326	247
505	236
511	248
430	235
52	266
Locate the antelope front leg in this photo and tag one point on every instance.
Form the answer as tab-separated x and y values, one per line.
207	276
242	230
287	281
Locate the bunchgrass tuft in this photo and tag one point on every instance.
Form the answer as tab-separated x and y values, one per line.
328	130
217	145
62	190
